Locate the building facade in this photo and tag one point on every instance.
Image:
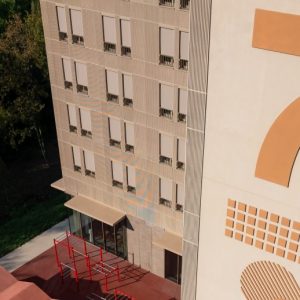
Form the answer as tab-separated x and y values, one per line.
177	126
119	77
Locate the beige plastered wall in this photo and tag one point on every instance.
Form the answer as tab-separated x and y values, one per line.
247	89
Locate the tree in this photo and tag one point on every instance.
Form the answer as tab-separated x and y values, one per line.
24	82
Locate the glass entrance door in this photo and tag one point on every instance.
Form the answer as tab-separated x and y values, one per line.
110	238
86	225
98	234
173	266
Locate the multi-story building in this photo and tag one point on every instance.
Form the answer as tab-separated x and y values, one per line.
133	99
119	74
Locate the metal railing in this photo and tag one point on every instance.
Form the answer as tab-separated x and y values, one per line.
76	39
166	60
125	51
109	47
183	64
184	4
166	3
82	89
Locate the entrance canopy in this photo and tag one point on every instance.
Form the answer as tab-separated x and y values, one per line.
170	242
59	185
95	210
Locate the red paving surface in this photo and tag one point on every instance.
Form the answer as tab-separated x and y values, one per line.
134	281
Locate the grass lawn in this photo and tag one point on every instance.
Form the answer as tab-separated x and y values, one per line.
32	221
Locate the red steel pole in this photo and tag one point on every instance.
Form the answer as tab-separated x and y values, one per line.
68	242
106	284
89	267
56	253
85	252
118	272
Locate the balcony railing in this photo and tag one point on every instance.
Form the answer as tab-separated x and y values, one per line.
165	202
109	47
131	189
90	173
115	143
166	60
180	165
125	51
184	4
76	39
129	148
127	102
112	98
166	113
181	117
117	184
68	85
77	168
73	128
165	160
86	133
166	3
82	89
183	64
63	36
179	207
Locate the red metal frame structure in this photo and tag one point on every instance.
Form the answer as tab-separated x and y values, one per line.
101	267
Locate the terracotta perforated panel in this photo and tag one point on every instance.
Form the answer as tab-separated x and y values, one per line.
264	230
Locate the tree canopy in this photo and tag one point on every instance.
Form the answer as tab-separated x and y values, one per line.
24	82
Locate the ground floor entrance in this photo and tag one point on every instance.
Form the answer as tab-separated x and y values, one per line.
111	238
173	264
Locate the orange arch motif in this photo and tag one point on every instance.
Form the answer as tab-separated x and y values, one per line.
280	147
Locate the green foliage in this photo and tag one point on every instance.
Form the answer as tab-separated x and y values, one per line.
24	82
28	223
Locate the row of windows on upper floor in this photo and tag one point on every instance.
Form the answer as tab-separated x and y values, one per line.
166	92
166	37
166	141
129	183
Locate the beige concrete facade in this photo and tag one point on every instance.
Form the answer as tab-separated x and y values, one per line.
147	217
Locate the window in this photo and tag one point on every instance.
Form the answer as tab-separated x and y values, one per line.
109	34
125	38
117	174
184	50
129	137
77	27
166	2
166	149
112	86
182	105
165	192
62	23
81	77
173	265
67	69
131	185
179	197
89	162
76	158
166	101
114	132
184	4
72	117
127	90
180	154
86	123
167	46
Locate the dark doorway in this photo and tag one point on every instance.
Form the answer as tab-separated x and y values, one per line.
173	264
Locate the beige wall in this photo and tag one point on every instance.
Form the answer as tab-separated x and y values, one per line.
146	18
247	89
